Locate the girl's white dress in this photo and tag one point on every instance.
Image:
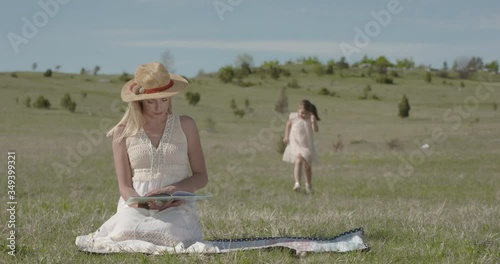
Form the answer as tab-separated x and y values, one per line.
141	230
300	140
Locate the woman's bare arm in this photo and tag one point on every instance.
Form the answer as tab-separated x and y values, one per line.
122	166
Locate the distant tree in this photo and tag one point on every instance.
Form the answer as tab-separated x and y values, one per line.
226	74
330	67
96	69
243	58
404	107
492	66
428	77
34	66
83	71
342	64
66	101
443	73
475	64
48	73
311	60
57	67
406	63
381	64
367	60
461	67
167	60
245	69
271	63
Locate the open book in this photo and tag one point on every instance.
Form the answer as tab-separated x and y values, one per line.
179	195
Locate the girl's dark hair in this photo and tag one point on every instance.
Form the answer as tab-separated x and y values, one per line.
309	107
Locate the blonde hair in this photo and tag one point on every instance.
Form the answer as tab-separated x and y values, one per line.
132	121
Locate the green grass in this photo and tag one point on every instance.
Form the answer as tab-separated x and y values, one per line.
443	209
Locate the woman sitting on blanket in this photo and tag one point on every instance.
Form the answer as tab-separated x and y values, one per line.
154	150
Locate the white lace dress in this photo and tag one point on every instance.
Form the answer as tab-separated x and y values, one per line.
301	140
150	231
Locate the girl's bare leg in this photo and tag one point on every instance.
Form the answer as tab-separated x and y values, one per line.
297	172
308	177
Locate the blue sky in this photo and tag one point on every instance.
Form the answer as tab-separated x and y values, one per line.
118	35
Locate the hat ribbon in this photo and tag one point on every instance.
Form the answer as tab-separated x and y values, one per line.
141	90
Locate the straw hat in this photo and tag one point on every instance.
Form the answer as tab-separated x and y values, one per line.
151	81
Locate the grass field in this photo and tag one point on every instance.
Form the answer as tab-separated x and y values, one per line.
435	205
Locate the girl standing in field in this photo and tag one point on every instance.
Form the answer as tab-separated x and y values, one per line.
300	150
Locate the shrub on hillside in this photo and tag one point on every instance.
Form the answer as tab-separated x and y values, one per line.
384	79
48	73
193	98
394	74
226	74
239	112
233	104
67	103
14	75
318	69
293	83
125	77
324	91
404	107
41	102
275	72
286	72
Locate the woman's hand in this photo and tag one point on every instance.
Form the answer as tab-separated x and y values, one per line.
162	205
285	140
